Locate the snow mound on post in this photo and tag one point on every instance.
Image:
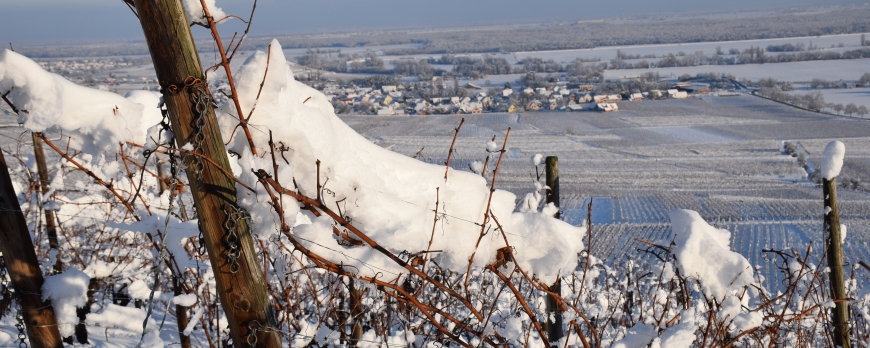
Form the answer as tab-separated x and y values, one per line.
832	159
97	120
390	197
67	291
702	252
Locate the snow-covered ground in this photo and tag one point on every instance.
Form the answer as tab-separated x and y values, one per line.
722	158
719	156
859	96
605	54
845	69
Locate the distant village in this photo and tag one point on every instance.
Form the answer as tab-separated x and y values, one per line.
392	97
436	98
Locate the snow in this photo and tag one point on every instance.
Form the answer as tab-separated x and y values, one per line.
832	159
66	291
95	119
691	134
178	232
197	314
125	318
194	9
491	146
185	300
392	198
536	159
843	232
832	70
638	336
476	167
703	253
748	320
681	335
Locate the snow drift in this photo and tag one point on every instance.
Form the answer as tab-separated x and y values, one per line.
390	197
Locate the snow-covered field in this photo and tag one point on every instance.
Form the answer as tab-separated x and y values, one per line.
846	69
720	156
859	96
635	171
849	41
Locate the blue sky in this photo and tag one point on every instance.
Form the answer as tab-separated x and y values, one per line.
34	21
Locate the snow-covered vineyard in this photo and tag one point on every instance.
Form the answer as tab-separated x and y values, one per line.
690	223
722	157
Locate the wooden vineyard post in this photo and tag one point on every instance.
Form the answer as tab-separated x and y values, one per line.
835	262
554	327
23	267
50	224
356	330
180	315
239	279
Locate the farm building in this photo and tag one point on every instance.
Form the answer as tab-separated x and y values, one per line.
607	107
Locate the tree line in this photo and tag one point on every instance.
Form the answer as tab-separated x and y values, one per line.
594	34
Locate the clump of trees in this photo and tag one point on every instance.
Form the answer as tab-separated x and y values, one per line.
788	47
420	68
776	90
368	62
815	101
476	68
579	71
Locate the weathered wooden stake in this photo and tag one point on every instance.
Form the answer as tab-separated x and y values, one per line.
239	279
356	329
180	315
554	328
50	225
835	262
23	267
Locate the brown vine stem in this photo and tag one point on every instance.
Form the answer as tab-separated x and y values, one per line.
325	264
130	176
588	245
308	201
262	83
244	34
225	63
452	147
209	160
522	301
486	212
257	100
434	223
485	162
89	173
542	287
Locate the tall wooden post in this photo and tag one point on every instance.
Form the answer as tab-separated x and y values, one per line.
554	328
50	224
356	329
239	279
23	267
180	315
835	262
